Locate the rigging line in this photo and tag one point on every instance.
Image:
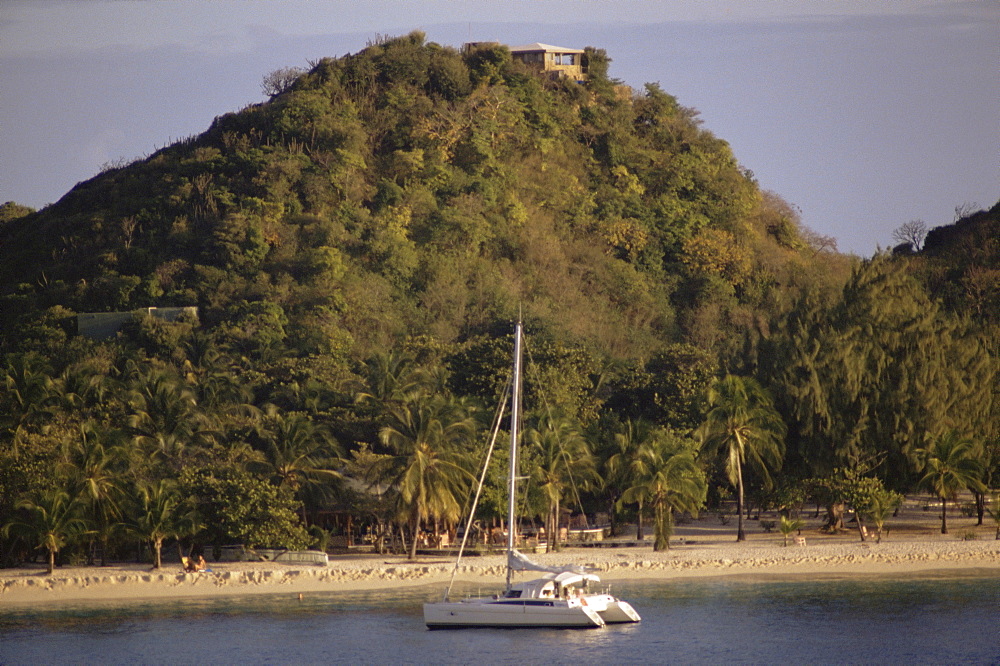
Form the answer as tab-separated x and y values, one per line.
497	418
572	483
495	430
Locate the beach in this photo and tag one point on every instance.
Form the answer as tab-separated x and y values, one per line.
699	548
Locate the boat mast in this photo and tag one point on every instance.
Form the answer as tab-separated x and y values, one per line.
515	427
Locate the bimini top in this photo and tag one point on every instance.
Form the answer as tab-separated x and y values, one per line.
518	561
573	579
551	586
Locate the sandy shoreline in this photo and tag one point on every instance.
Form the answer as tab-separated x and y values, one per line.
764	557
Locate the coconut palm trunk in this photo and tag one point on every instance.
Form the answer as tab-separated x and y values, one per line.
740	533
414	535
157	551
944	515
664	525
556	520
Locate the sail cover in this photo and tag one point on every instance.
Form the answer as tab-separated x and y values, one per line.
518	561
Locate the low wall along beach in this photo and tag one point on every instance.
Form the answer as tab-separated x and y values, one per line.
699	548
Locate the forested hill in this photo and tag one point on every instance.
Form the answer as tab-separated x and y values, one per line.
410	190
357	248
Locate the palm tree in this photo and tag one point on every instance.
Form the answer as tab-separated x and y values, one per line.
882	504
627	445
563	464
212	376
218	389
429	461
298	453
159	513
744	426
81	385
666	475
391	378
950	464
29	395
53	520
789	525
94	476
164	417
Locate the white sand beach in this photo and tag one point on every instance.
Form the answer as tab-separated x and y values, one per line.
704	547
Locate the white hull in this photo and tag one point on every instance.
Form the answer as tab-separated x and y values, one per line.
510	613
615	611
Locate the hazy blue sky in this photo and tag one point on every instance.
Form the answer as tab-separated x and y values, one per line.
864	115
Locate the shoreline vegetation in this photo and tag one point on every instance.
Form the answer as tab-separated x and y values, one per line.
700	549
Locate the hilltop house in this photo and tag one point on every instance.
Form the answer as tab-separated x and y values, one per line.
556	61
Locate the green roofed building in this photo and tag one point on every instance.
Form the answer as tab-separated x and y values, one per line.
103	325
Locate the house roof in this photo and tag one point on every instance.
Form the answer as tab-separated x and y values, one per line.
545	48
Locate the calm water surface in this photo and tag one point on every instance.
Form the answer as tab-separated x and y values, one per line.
877	620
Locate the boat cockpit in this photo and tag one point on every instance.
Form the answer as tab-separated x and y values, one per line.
552	586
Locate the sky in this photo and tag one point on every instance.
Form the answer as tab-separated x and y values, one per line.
863	115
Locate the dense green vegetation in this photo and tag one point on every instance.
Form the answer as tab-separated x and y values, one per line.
357	247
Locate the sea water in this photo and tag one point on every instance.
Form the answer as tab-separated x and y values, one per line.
913	620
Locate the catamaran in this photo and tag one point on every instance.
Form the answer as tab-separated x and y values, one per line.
559	598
